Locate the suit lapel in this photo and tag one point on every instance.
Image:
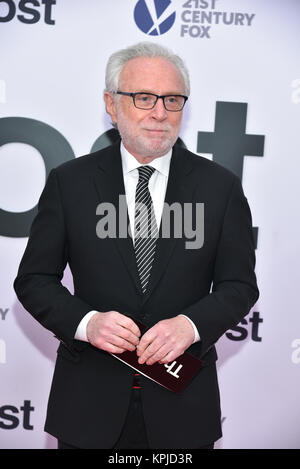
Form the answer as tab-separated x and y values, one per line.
180	166
109	183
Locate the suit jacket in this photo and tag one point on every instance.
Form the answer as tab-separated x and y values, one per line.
215	286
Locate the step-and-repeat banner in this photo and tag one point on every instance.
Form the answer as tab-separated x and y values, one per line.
243	112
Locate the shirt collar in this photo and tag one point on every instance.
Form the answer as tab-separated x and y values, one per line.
129	162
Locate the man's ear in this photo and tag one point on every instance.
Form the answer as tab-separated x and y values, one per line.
110	106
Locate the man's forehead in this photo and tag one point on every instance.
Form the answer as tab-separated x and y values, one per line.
148	72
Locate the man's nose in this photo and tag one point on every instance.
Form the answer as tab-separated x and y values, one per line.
159	112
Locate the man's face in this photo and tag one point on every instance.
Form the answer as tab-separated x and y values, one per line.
147	134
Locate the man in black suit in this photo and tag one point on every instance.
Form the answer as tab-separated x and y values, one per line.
187	294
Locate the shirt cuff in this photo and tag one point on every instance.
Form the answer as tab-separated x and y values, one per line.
197	336
80	333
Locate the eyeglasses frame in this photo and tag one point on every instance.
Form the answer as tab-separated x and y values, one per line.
133	95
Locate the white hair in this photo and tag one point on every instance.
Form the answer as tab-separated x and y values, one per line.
117	61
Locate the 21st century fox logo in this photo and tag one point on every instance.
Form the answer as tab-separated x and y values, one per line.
195	18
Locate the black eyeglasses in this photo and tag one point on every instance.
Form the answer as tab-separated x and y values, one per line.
146	101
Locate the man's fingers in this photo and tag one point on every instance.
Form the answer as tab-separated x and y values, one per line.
113	332
120	342
170	357
126	334
112	348
155	357
129	324
147	339
165	341
150	350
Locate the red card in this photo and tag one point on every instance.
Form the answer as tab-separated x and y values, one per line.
173	376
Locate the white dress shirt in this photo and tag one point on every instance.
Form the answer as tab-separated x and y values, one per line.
157	187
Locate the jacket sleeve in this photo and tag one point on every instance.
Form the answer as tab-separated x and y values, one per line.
38	283
234	288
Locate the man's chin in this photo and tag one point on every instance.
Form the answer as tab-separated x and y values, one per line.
158	146
158	150
153	147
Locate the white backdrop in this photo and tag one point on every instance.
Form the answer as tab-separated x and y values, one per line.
52	61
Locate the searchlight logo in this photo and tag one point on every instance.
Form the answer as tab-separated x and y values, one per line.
154	17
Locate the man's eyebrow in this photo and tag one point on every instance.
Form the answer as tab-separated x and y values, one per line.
145	90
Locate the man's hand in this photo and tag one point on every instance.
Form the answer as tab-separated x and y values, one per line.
165	341
112	332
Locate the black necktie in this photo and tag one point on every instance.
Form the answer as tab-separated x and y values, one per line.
145	227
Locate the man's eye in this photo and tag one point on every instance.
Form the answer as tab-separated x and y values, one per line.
145	98
172	99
